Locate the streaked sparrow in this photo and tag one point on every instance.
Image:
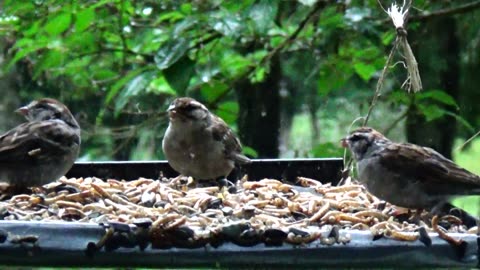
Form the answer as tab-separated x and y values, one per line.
198	143
408	175
42	149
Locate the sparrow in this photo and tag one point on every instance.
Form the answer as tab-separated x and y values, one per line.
41	150
198	143
408	175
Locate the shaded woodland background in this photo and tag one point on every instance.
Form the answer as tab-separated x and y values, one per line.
289	76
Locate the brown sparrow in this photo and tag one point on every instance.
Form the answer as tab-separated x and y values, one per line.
42	149
412	176
407	175
198	143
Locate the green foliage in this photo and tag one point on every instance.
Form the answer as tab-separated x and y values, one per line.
431	104
468	158
171	52
228	111
120	63
328	149
133	88
178	75
250	152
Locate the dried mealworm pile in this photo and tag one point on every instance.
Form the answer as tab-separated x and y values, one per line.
268	211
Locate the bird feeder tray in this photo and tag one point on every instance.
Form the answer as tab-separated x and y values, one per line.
76	244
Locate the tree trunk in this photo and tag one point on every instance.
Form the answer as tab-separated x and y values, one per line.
438	40
259	115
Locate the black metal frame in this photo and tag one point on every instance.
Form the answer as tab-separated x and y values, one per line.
65	244
323	169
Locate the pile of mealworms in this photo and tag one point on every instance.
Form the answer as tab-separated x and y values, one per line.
268	211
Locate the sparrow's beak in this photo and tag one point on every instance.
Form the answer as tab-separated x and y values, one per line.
22	110
171	108
344	142
171	111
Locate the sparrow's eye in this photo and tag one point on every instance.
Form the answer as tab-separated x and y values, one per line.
190	107
355	138
43	107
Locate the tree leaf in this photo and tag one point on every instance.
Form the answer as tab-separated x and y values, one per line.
308	2
84	19
50	59
365	71
246	150
104	74
431	111
228	111
462	121
120	83
179	74
186	8
439	96
32	30
183	26
212	90
229	26
171	52
58	24
81	41
19	54
18	7
331	80
263	15
388	37
399	97
171	16
161	86
332	19
133	88
259	75
233	64
357	14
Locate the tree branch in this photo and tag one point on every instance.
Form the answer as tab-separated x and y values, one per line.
467	141
446	12
427	15
318	6
395	122
115	50
120	31
205	40
380	82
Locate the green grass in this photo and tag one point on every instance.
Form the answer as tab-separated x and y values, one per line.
470	160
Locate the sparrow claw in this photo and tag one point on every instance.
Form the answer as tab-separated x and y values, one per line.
417	217
224	182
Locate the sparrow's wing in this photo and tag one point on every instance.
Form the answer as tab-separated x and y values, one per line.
233	147
33	141
437	173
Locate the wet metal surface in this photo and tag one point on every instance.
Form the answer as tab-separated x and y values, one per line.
65	244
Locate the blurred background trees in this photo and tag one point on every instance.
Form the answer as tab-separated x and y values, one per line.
289	76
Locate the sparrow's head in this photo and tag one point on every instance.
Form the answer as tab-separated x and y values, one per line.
363	141
187	109
47	109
